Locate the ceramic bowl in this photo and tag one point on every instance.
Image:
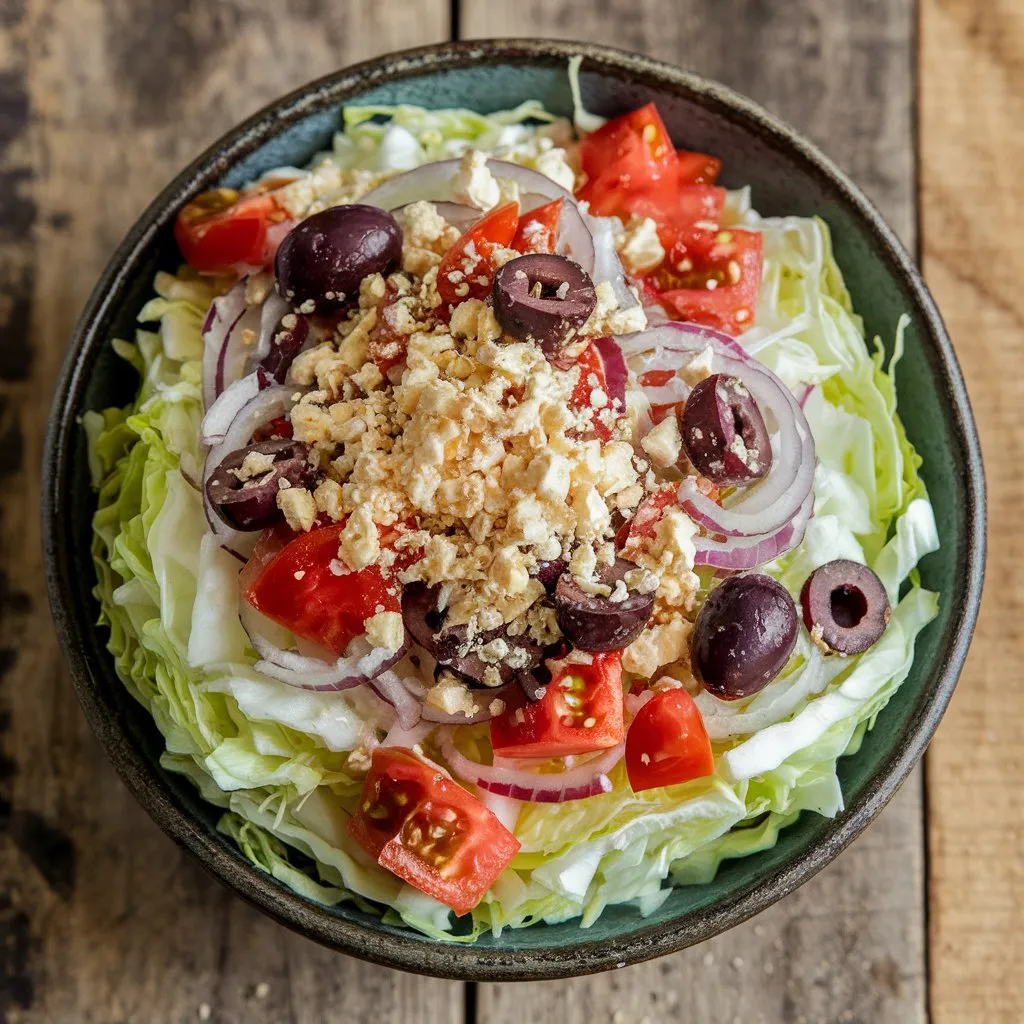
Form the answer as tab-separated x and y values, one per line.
788	175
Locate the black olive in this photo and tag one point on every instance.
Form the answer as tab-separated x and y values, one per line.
743	636
252	504
284	347
543	297
593	623
420	614
524	654
548	573
723	432
324	258
845	606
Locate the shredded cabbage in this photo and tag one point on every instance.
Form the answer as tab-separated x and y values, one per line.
276	758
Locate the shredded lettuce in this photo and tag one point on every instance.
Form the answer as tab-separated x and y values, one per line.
276	759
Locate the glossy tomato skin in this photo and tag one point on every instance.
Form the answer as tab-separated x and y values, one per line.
667	743
297	588
467	269
580	712
627	153
538	229
426	829
697	168
219	229
731	266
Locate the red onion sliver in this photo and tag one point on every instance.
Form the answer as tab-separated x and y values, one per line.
739	553
435	182
588	779
224	313
772	502
389	686
359	664
228	404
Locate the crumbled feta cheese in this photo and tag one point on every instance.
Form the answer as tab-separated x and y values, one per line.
639	246
658	645
663	443
386	630
474	184
298	507
359	541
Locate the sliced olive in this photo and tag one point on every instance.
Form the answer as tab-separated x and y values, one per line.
251	503
508	655
845	606
723	431
284	347
420	614
548	573
543	297
323	259
743	636
602	623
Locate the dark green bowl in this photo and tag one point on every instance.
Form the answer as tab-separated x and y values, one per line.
788	175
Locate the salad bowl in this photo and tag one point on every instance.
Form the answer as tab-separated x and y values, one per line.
787	176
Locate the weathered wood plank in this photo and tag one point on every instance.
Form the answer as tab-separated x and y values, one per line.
972	109
101	918
850	944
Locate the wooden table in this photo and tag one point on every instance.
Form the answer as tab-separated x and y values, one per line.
101	918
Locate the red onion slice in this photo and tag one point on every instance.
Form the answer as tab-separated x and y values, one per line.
360	663
229	403
578	783
771	503
390	687
615	372
767	506
739	553
223	315
271	312
435	182
268	404
607	266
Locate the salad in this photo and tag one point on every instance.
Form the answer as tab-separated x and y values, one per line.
511	522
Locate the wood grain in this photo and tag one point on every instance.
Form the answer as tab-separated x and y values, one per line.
972	148
101	918
848	946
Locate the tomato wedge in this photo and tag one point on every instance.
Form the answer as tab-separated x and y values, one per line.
697	168
467	269
633	149
429	831
296	587
667	743
538	229
713	279
581	711
221	228
591	367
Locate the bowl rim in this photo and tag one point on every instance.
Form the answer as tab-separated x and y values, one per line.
409	953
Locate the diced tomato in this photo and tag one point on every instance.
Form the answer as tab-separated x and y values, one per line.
634	148
667	743
697	168
581	711
429	831
387	345
221	228
591	367
646	517
467	268
297	588
538	229
279	427
714	284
